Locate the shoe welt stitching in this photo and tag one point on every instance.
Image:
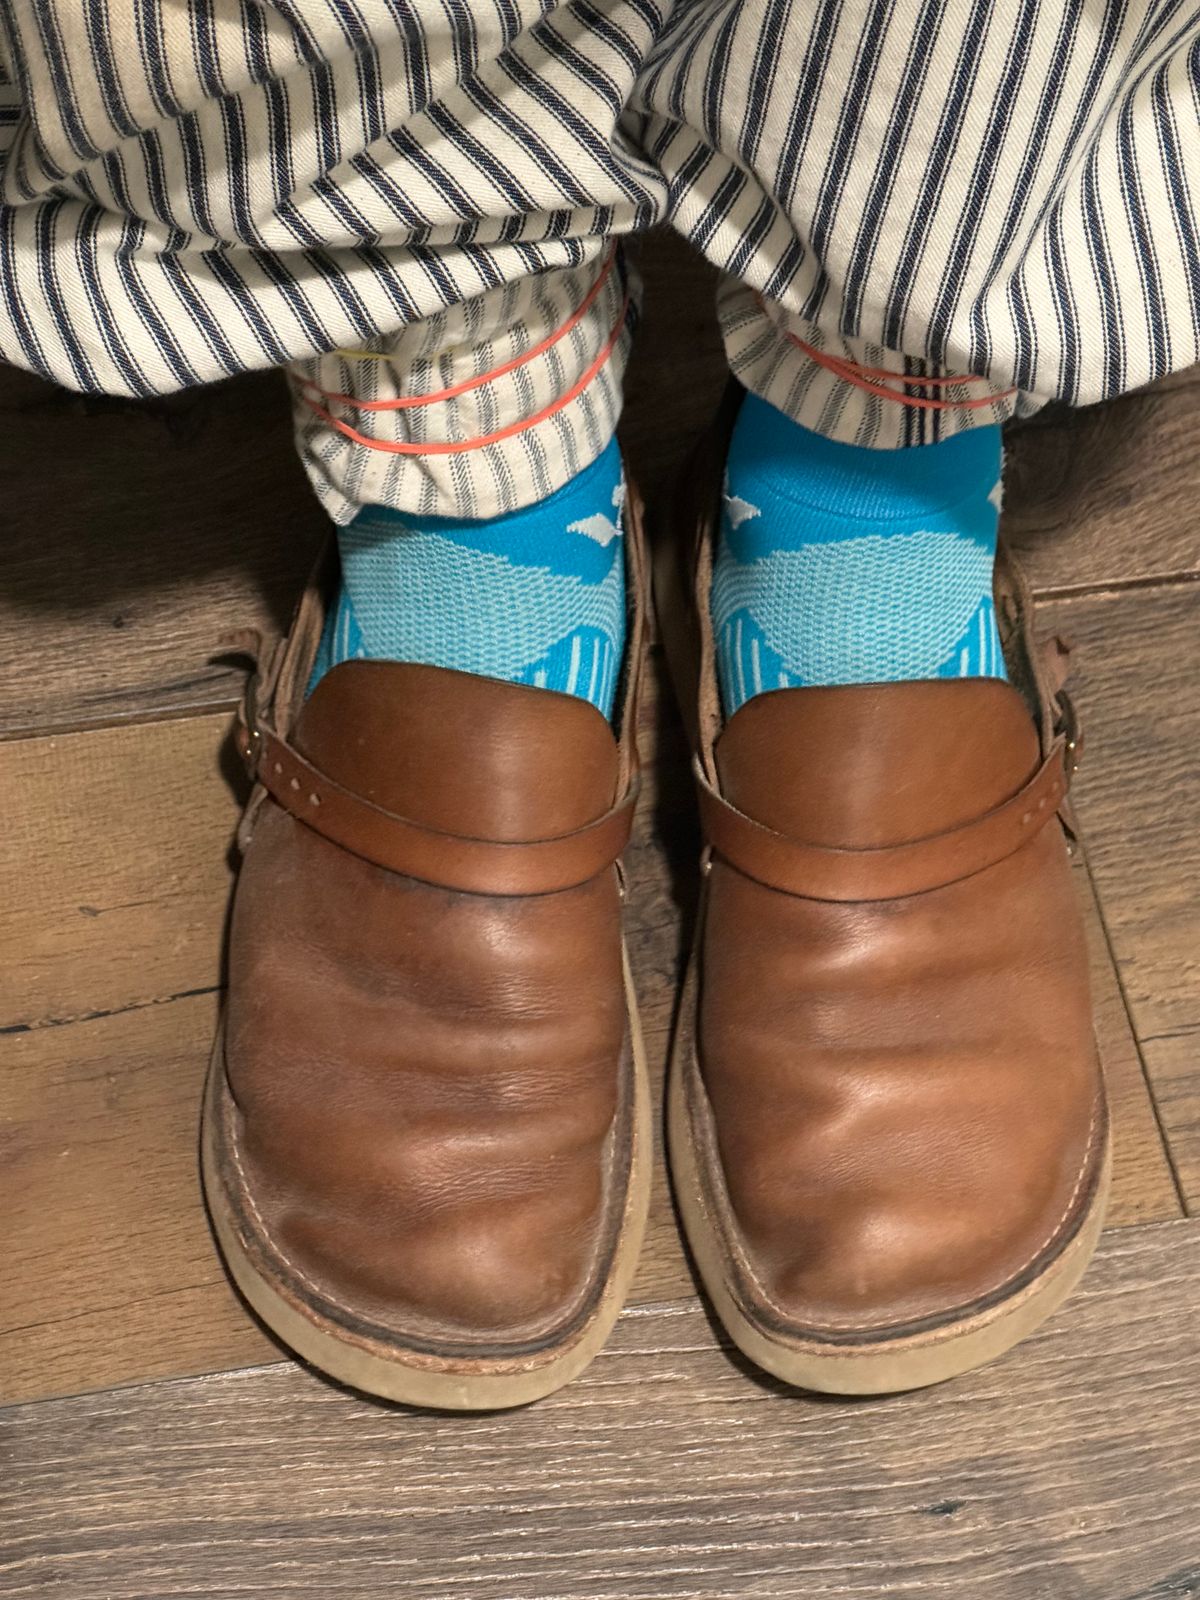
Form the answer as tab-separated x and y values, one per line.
270	1238
842	1326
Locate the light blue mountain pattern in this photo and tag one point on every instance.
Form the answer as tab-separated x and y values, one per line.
535	597
341	640
838	563
863	610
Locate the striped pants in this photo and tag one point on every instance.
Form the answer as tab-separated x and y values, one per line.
417	206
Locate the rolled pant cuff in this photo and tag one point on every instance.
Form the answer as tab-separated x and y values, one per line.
849	389
482	409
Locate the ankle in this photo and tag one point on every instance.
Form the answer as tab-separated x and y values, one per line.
536	596
838	564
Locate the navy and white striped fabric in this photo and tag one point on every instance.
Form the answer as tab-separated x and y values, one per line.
190	188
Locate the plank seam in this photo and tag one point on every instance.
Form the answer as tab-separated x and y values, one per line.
10	1029
1119	978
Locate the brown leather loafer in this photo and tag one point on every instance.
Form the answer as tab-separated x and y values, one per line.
426	1133
887	1122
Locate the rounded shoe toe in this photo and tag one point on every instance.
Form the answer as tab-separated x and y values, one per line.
898	1204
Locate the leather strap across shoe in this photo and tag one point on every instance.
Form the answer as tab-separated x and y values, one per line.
426	1132
887	1121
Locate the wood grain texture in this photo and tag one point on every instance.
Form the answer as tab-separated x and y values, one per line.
1139	799
1066	1471
109	1274
1106	496
678	372
660	871
116	869
1144	1187
133	535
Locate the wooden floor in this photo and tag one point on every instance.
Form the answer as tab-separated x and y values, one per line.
155	1443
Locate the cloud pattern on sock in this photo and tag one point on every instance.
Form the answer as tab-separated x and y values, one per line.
864	599
838	565
537	597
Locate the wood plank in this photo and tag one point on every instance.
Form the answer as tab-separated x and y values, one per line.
660	868
128	555
1138	797
1144	1187
116	871
110	1276
1067	1469
1106	496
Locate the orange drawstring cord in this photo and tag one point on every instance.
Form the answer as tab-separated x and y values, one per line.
865	378
873	380
309	390
409	401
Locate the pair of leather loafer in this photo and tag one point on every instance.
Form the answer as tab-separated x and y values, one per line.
427	1127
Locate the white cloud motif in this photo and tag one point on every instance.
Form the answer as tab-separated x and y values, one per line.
598	527
738	510
906	598
996	498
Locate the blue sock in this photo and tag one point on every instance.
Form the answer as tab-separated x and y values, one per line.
536	596
839	564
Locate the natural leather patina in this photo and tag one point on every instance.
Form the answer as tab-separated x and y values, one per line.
890	1103
423	1119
